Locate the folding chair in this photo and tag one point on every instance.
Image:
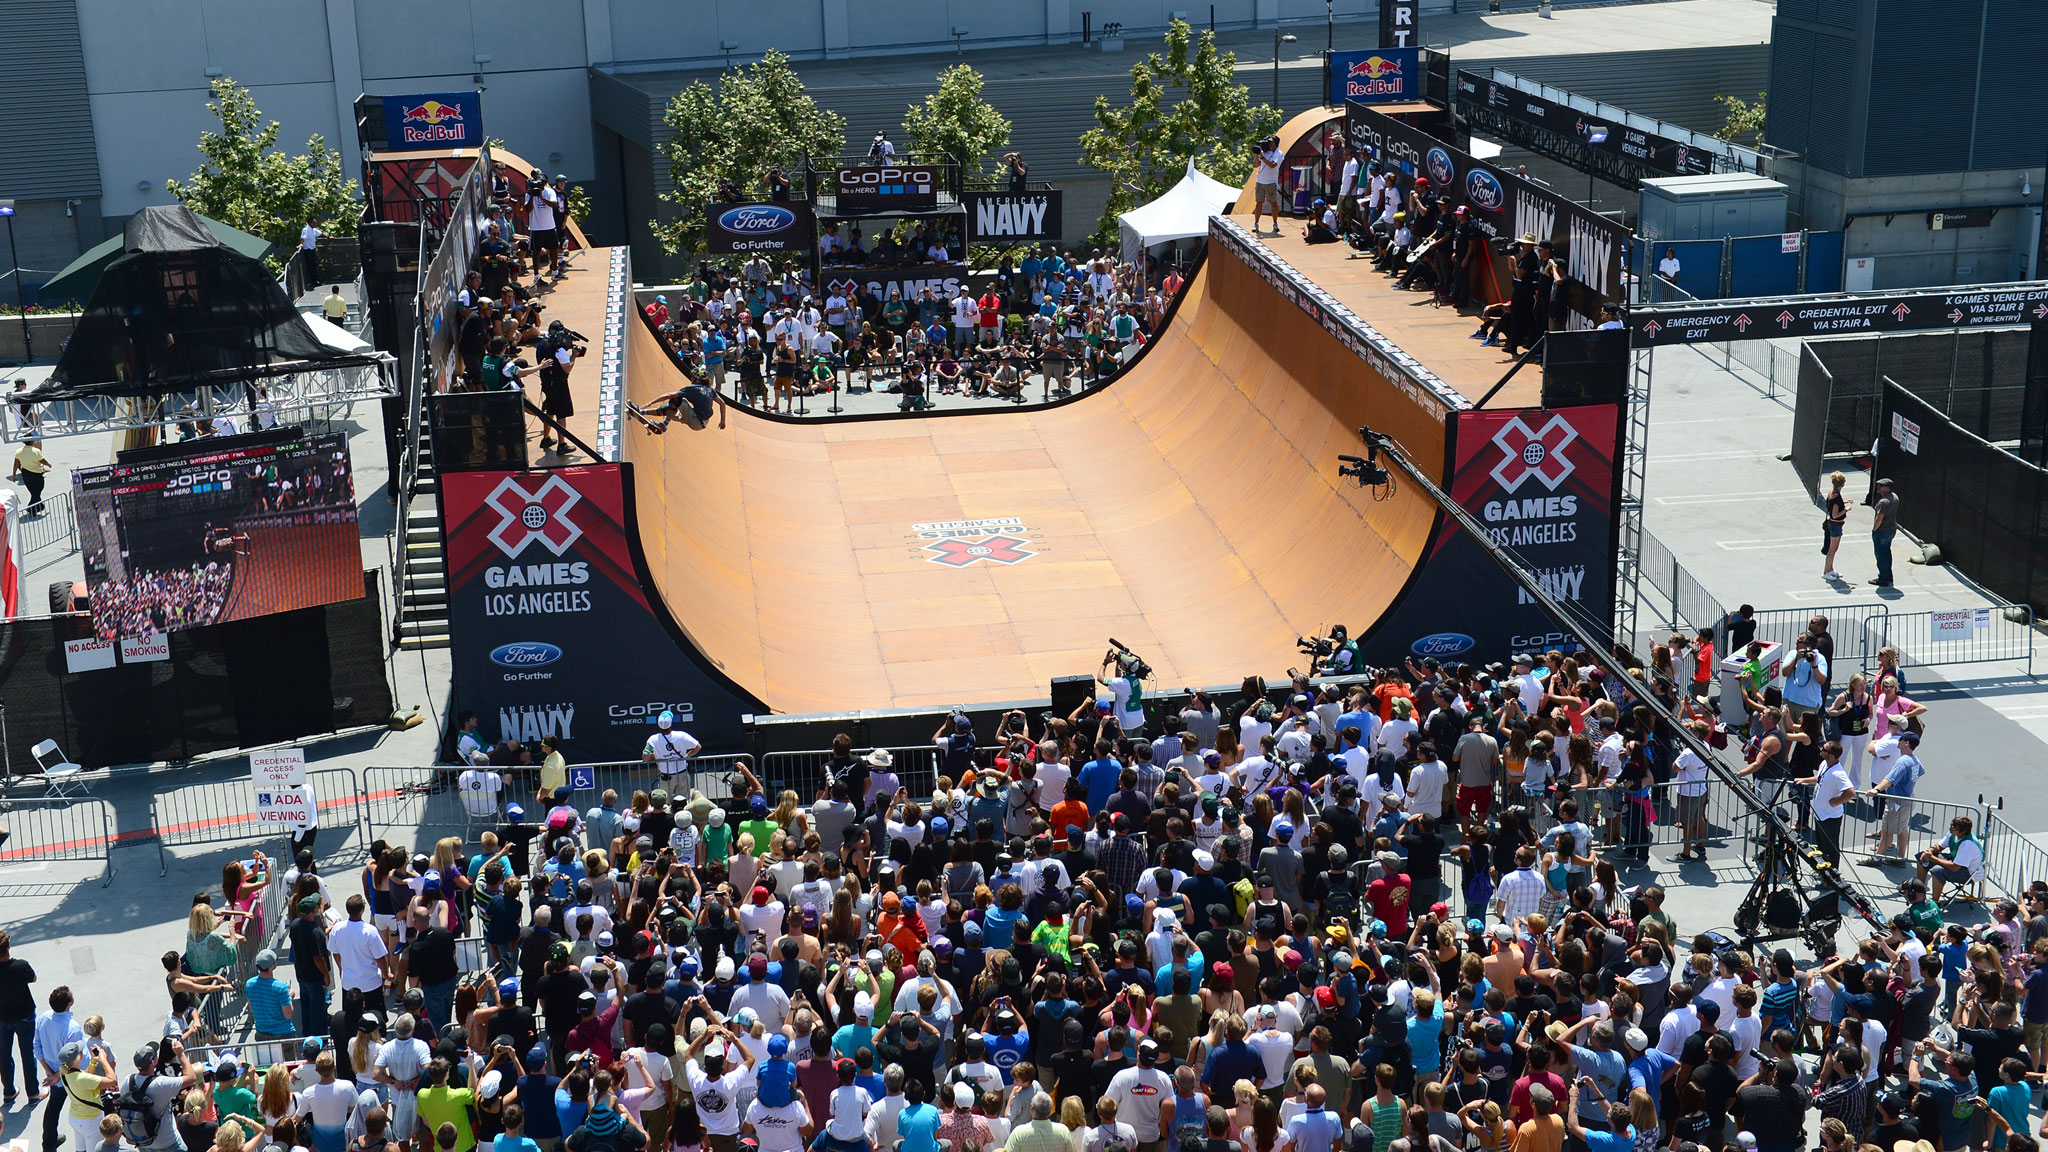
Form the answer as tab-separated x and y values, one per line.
60	776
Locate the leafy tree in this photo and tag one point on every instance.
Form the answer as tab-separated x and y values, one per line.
247	183
955	121
1745	119
1185	104
759	115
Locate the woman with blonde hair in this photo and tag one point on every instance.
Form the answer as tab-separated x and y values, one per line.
1831	528
1489	1129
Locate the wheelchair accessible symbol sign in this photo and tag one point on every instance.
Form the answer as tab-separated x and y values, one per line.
582	777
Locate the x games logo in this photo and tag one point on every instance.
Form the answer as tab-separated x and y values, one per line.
540	515
1526	453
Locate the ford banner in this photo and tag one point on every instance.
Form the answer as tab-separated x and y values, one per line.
554	627
759	227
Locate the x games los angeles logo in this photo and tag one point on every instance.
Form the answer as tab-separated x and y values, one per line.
1526	453
540	515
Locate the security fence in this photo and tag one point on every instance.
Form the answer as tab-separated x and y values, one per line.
223	812
1976	501
60	828
1973	376
418	806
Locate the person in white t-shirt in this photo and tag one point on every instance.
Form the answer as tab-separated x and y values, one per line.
480	789
1266	198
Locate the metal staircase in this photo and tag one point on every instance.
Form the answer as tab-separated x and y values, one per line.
423	570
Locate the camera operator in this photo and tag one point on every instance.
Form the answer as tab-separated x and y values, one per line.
558	352
1125	686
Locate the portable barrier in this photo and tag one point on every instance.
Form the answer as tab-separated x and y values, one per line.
418	806
64	828
223	812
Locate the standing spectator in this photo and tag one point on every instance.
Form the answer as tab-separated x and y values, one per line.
31	470
17	1022
1884	526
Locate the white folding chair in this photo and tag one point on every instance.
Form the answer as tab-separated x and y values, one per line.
60	776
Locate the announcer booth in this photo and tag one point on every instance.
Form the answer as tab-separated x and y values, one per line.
900	225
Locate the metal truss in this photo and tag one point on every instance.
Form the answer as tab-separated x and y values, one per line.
285	388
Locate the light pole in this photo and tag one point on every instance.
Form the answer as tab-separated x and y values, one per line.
28	351
1279	38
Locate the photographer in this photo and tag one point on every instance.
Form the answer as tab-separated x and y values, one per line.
558	352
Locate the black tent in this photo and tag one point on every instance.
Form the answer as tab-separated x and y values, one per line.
180	309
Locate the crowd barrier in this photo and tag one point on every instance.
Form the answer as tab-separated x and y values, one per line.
221	812
421	805
61	828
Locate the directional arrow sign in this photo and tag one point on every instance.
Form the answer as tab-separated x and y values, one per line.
1785	318
1742	322
1901	311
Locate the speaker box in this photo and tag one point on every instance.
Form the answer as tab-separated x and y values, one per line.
1069	691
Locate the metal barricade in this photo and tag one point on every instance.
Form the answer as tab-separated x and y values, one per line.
2012	862
222	812
55	523
916	767
1850	624
1959	636
414	807
63	828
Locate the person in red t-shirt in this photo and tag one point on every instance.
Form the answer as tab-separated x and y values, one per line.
991	306
1388	895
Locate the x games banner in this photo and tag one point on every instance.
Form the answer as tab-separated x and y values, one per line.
1545	485
553	629
1504	204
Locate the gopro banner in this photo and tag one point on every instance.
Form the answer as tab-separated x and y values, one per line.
1011	217
1649	149
1504	204
1545	485
433	120
553	629
1376	76
780	227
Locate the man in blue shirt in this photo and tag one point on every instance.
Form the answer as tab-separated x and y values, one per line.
1100	775
1805	679
1231	1061
270	999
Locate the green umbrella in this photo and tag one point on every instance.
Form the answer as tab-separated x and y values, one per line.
77	281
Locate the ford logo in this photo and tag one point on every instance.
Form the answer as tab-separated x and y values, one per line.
1441	171
1443	644
526	654
756	219
1484	191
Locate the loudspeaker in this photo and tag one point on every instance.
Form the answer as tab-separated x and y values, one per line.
1585	367
1069	691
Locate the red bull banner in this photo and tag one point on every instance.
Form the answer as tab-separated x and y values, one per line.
1376	76
433	120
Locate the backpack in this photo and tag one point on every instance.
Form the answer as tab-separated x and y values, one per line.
138	1114
1339	902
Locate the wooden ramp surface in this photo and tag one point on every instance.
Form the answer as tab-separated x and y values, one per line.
1191	510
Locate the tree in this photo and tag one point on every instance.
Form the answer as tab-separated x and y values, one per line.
955	121
759	115
247	183
1186	104
1745	120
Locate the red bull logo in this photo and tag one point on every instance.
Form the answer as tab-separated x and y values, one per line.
1374	76
432	122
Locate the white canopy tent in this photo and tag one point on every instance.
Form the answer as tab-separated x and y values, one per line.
1181	214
